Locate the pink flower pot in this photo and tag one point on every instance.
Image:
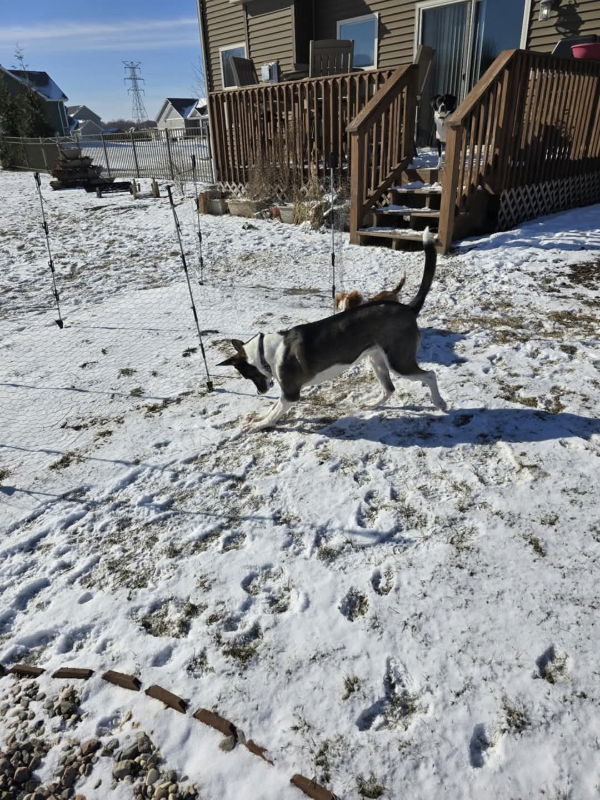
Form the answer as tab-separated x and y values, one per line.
589	50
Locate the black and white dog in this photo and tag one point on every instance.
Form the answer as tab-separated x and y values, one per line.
309	354
443	105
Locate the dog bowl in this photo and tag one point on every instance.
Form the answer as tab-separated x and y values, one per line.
588	50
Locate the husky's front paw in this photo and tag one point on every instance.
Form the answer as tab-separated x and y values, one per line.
376	402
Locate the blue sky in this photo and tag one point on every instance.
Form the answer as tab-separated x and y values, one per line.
82	44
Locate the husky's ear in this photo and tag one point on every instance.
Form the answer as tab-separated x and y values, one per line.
228	362
239	346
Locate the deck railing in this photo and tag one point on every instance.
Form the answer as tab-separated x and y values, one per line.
299	122
528	133
382	142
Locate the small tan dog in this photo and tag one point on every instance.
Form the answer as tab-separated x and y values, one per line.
344	301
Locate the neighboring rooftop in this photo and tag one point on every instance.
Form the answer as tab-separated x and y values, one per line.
41	82
185	105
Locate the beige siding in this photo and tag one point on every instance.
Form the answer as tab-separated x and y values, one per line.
267	27
583	19
396	25
271	32
225	26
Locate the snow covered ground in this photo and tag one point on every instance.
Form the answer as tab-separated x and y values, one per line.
397	603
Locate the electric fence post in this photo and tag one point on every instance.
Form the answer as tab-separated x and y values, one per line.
332	162
209	383
38	183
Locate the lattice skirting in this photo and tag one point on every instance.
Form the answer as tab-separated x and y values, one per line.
535	200
278	192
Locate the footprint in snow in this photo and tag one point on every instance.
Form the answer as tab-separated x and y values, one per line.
355	604
479	746
383	582
162	657
398	705
368	509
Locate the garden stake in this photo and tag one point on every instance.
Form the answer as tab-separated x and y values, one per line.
332	162
58	321
209	383
201	260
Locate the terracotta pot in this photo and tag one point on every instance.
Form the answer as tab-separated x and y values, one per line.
589	50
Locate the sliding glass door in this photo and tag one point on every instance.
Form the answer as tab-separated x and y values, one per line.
466	36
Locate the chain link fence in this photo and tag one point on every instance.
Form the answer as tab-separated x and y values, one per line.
149	153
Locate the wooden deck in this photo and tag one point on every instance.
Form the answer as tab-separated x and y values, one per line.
524	142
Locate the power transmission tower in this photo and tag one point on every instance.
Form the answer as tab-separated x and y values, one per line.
138	110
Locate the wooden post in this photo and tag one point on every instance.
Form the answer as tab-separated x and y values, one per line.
358	181
105	155
43	154
410	112
449	179
154	188
137	167
169	154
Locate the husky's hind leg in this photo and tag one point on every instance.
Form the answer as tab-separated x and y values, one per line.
382	372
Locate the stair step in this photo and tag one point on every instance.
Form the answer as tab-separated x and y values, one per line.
427	189
405	234
394	209
425	213
406	211
427	174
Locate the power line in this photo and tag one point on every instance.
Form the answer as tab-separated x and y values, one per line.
138	110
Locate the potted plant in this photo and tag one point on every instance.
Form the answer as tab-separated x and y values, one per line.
258	192
589	50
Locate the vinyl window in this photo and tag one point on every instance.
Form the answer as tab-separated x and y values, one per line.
364	33
225	54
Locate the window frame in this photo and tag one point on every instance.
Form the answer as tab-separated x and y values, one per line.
374	15
224	49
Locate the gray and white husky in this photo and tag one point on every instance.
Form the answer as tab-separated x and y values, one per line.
309	354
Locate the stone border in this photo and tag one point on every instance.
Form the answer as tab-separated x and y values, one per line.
232	734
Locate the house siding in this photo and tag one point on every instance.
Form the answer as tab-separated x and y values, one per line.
396	25
574	20
267	27
225	26
271	33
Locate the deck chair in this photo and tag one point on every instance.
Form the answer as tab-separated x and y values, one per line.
330	57
244	71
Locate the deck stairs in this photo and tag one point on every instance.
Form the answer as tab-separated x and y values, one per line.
405	211
407	208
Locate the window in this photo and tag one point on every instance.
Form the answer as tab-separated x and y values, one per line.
226	53
364	33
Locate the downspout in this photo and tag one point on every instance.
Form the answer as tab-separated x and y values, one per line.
207	75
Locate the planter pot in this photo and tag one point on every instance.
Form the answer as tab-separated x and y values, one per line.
589	50
243	207
286	212
216	206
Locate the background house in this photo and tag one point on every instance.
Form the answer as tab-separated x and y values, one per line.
182	112
84	121
53	98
